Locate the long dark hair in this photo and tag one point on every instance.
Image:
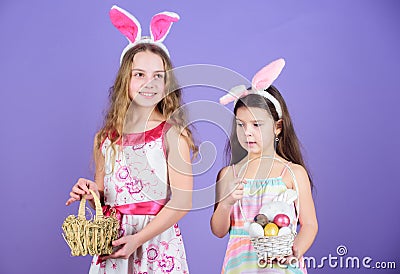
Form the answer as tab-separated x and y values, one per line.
288	146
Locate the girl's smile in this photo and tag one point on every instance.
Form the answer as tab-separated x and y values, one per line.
145	94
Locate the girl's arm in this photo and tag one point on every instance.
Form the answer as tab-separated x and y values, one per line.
307	218
83	185
181	183
225	198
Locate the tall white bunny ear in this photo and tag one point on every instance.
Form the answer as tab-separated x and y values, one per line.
161	24
126	23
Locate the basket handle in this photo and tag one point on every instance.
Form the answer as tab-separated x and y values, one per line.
297	204
99	211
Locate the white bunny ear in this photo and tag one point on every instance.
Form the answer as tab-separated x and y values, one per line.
160	25
126	23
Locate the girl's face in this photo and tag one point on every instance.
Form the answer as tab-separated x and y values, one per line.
147	84
255	130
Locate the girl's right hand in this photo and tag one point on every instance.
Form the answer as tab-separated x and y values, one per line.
82	188
235	192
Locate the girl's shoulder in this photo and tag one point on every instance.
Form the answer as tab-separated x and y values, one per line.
173	132
226	173
298	172
175	139
177	134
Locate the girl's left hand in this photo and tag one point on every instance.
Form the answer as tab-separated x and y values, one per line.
127	245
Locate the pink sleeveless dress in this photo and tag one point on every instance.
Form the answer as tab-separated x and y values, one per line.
136	185
240	255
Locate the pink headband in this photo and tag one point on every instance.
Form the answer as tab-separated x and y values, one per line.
261	81
130	27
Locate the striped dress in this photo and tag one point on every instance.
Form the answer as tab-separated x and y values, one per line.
240	255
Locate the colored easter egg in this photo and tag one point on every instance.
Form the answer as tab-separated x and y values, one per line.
282	220
284	231
271	229
256	230
261	219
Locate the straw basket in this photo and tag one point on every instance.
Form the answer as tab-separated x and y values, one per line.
268	247
92	237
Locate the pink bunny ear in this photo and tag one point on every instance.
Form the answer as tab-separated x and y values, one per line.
161	24
234	94
126	23
267	75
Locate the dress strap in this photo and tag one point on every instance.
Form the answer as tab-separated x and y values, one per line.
234	170
285	168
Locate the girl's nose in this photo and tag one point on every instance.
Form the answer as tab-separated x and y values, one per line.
149	82
248	131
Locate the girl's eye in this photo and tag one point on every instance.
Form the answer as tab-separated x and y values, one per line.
159	76
239	124
138	74
257	125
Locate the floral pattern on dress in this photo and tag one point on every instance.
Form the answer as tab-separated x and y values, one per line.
139	174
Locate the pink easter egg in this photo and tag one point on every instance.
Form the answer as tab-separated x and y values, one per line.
282	220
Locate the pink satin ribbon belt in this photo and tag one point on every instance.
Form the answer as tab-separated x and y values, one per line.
144	208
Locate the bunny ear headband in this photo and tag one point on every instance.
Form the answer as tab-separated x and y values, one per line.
261	81
130	27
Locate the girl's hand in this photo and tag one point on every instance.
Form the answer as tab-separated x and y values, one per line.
127	245
235	192
82	188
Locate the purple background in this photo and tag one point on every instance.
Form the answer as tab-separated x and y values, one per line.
58	59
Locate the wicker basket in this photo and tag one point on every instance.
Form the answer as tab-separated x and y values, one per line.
268	247
92	237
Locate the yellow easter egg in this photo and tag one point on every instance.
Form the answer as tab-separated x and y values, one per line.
271	229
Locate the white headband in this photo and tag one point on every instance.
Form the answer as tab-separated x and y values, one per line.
262	80
130	27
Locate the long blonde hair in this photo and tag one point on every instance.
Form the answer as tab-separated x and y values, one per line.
119	101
